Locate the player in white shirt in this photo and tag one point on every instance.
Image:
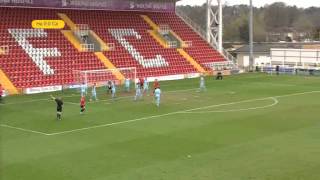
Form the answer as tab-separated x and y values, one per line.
127	84
146	86
94	93
202	84
138	92
157	96
83	89
113	90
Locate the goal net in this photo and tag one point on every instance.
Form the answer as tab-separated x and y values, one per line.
102	77
221	66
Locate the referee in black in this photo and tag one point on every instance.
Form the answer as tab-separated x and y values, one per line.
278	69
59	106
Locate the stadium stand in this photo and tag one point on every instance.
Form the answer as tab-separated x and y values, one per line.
200	49
39	57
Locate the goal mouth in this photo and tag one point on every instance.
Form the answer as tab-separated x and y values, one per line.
219	66
101	77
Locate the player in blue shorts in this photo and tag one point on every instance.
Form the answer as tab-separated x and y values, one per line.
146	86
113	90
202	84
127	84
83	89
94	93
138	92
157	96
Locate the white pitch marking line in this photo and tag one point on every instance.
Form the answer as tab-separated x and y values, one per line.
155	116
226	104
22	129
275	102
115	123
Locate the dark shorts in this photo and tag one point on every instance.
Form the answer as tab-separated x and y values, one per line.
59	109
82	107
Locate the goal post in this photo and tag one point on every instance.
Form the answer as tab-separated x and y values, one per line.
102	76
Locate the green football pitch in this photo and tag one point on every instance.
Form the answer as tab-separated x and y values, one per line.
250	126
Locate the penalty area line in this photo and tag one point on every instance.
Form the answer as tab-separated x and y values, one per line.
275	102
112	124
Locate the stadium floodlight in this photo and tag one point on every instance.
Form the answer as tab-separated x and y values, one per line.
214	24
251	60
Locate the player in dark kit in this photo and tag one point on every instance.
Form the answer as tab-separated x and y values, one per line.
59	106
278	70
219	76
1	93
141	81
109	87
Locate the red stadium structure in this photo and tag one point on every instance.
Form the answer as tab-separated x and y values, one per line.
97	35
